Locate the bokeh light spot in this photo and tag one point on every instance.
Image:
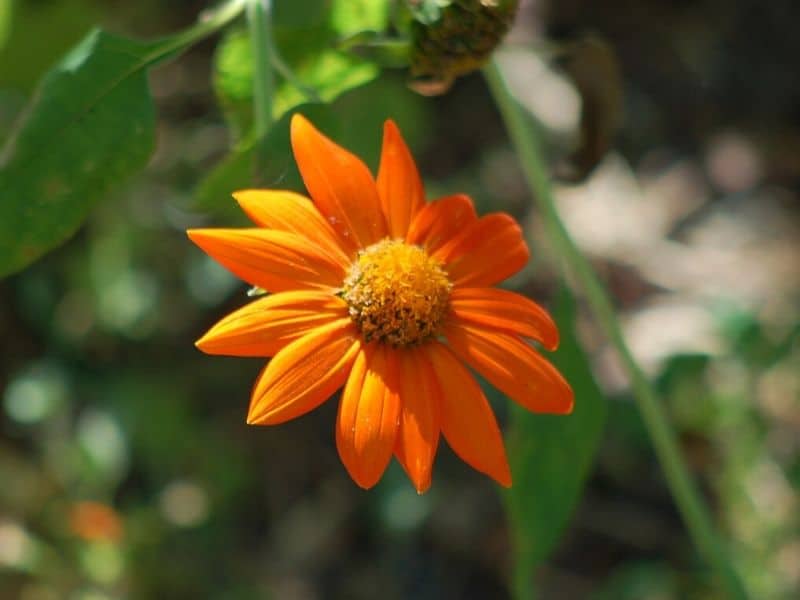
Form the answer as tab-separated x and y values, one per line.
184	504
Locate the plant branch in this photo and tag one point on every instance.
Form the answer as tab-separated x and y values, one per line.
259	14
209	23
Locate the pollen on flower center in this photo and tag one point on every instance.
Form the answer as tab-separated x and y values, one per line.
396	293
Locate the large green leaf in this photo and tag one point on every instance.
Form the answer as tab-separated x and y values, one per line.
550	457
90	126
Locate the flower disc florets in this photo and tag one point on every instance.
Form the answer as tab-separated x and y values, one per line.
397	293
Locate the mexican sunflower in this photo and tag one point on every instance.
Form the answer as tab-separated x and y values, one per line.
389	297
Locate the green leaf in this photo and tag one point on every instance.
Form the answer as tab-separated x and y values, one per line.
322	76
329	74
550	456
266	163
300	15
270	163
350	16
90	126
233	81
317	71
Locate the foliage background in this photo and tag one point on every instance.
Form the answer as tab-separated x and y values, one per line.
691	218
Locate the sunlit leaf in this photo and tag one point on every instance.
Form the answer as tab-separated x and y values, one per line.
551	455
329	74
233	80
311	68
349	16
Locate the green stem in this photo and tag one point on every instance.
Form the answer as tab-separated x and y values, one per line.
687	498
259	14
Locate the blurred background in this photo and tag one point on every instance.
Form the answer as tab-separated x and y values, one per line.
126	468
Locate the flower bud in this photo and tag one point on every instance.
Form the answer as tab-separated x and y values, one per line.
453	40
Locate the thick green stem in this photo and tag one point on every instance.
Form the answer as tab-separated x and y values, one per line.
687	498
260	26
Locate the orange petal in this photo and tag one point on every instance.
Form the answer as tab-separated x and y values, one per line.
271	259
418	433
304	374
493	308
399	184
490	250
340	184
266	325
440	220
468	423
512	366
368	413
287	211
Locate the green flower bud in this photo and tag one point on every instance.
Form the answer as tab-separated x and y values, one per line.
454	39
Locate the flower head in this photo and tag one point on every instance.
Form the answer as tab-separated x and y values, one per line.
376	291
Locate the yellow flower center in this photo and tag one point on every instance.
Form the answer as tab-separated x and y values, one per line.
397	293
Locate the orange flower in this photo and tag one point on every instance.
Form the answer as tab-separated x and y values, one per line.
374	290
95	521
